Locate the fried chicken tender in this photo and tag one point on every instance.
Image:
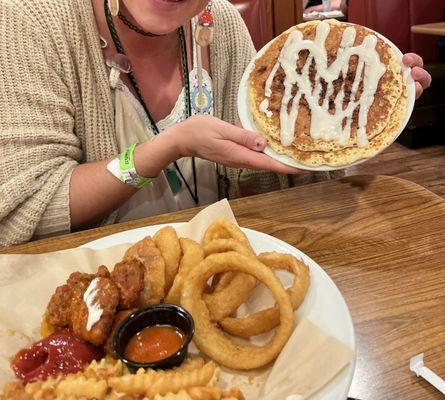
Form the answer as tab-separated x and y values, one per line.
128	276
57	313
58	310
67	308
80	279
107	300
103	272
154	270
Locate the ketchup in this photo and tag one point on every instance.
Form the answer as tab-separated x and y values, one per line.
60	353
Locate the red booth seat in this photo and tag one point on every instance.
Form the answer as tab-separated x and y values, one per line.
254	13
394	18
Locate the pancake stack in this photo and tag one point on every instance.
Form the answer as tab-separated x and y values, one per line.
328	93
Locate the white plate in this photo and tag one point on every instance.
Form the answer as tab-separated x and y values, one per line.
324	305
247	121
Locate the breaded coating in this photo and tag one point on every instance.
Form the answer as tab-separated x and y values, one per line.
128	276
107	300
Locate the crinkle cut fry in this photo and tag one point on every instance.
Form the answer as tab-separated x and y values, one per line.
104	369
214	393
190	364
81	387
69	387
13	390
203	393
92	383
161	382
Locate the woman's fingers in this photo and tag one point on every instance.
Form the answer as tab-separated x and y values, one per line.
412	60
221	142
421	76
419	90
242	157
251	140
240	154
267	163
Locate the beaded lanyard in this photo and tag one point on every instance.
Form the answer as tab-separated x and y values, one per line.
172	178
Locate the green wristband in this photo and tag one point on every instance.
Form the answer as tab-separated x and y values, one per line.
128	171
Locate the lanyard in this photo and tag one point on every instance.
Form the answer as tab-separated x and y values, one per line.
171	175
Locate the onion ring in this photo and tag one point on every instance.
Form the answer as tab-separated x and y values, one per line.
227	300
224	229
192	255
221	281
225	245
209	338
167	242
265	320
230	289
154	270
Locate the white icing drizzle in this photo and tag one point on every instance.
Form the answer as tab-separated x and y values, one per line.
324	125
270	79
264	107
89	297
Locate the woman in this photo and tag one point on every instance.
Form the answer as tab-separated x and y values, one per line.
65	116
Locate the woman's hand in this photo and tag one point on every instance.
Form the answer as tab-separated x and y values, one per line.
211	139
421	77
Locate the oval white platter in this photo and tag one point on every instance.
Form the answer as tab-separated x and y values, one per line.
324	305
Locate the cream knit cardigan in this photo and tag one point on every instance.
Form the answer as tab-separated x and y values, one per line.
56	109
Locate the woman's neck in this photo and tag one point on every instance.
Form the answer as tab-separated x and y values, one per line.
133	42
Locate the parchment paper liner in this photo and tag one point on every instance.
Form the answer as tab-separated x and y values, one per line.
307	363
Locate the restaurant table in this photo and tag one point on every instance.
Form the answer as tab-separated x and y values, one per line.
382	240
436	28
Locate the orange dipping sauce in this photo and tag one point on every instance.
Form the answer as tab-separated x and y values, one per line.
154	343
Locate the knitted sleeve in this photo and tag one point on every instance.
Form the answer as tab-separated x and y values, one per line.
233	50
38	147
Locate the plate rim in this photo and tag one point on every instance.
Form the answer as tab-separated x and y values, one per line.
351	329
245	116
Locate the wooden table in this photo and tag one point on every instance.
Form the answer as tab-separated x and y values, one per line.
436	28
382	240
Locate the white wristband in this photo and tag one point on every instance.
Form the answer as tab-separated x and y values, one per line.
113	167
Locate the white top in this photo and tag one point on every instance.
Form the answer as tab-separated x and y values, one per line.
133	126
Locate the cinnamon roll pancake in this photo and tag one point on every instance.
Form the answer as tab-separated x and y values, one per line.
328	93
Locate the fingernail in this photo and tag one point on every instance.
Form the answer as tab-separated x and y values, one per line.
406	59
260	143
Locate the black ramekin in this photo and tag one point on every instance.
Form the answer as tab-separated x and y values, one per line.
158	314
